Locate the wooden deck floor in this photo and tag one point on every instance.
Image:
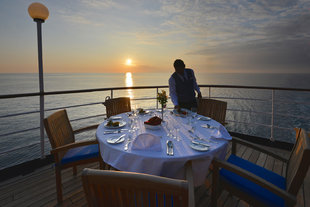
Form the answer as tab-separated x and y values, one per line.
38	188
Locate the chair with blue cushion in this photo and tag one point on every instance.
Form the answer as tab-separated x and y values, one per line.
68	153
119	188
257	185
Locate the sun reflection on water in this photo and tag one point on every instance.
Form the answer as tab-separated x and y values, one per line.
129	83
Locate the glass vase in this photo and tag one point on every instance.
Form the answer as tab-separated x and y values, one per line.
162	112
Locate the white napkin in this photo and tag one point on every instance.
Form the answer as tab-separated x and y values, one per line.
148	142
221	133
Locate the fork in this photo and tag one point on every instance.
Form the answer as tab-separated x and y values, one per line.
206	140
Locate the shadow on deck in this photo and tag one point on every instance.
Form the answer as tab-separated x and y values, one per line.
38	188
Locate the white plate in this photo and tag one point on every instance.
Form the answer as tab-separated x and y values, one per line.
111	140
145	112
203	118
121	124
199	147
152	127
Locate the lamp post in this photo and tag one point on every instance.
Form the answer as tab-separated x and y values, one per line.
39	13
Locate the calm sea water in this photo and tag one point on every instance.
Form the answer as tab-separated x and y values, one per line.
28	83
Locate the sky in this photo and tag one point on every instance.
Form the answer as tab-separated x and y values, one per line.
117	36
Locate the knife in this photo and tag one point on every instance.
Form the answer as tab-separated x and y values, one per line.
200	143
114	131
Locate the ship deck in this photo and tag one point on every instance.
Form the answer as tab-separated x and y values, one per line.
38	188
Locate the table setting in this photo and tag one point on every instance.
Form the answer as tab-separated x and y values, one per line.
131	143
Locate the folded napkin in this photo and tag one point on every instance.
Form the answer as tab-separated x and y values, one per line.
221	133
147	142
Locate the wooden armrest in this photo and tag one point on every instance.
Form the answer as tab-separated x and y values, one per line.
95	126
190	180
258	148
73	145
289	198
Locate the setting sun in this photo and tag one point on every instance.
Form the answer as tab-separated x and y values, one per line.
128	62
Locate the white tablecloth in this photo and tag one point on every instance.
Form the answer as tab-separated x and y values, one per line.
159	163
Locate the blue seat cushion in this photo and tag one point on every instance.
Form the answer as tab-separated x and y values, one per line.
80	153
260	193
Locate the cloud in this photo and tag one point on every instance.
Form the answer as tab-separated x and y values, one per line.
77	17
100	4
258	34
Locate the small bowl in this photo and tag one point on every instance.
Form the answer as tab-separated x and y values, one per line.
152	127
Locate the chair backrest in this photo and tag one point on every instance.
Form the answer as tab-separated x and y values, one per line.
299	162
116	188
214	109
297	131
59	129
117	106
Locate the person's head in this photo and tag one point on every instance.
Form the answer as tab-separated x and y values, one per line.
179	66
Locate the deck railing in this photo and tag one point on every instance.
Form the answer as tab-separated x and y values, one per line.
203	87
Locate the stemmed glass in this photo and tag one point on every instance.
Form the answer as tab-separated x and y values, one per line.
177	132
169	132
130	134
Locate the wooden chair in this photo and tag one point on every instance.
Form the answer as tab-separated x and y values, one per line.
297	130
257	185
68	153
119	188
117	105
214	109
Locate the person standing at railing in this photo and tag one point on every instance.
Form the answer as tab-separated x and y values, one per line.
182	86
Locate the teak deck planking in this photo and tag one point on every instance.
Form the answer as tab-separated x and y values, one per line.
39	189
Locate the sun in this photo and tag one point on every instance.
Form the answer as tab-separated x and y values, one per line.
128	62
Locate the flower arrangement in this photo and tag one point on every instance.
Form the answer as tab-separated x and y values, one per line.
162	98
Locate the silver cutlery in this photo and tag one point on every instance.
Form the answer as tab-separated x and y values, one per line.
127	143
169	148
192	131
208	126
118	139
206	140
114	131
200	143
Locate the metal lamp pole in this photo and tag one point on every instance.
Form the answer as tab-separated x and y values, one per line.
40	13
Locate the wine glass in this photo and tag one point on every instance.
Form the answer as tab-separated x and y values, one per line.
177	133
169	132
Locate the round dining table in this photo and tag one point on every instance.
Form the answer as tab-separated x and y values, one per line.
194	138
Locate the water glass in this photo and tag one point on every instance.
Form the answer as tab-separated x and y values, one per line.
177	134
169	132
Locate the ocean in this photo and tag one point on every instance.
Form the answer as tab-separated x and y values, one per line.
288	114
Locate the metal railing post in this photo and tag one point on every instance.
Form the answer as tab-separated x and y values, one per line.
272	117
209	92
111	93
156	99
